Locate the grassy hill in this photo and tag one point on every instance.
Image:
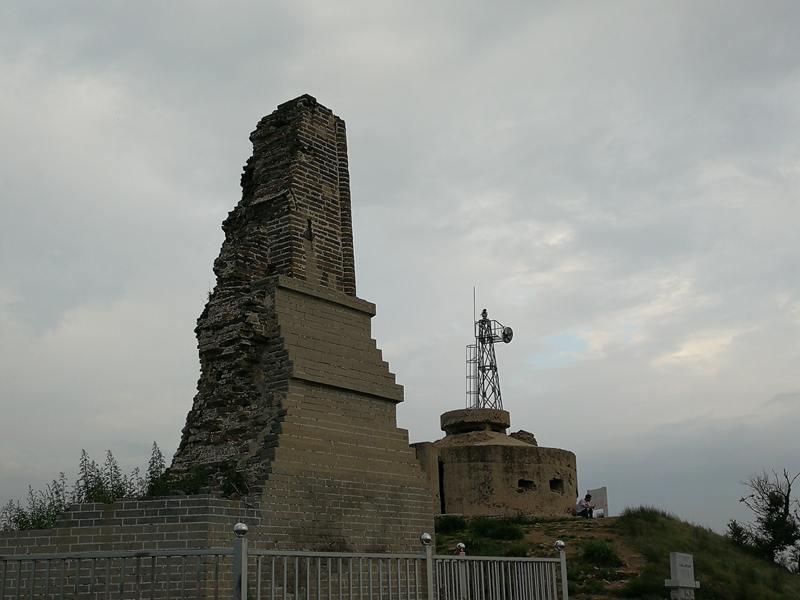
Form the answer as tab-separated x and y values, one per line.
626	556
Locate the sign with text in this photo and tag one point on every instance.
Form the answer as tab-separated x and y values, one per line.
681	582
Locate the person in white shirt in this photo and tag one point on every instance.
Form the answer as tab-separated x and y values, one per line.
585	508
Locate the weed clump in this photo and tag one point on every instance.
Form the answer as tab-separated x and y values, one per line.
600	553
517	550
496	529
448	524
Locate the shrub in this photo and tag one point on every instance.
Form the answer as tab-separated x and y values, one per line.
646	513
104	483
234	483
155	481
192	482
42	511
447	524
517	549
600	553
496	529
477	546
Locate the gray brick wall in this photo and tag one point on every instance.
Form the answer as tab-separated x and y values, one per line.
294	393
161	523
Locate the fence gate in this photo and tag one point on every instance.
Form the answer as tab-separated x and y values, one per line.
241	574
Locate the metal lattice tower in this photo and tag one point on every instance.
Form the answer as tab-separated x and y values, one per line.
483	380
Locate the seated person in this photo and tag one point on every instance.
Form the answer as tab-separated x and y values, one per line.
585	508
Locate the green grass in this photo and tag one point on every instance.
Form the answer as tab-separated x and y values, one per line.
449	524
482	536
725	571
600	553
596	550
496	529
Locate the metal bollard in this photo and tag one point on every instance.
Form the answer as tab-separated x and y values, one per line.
240	562
426	540
561	547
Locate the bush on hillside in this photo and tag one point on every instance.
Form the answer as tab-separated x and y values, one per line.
775	531
516	550
600	553
496	529
647	513
448	524
725	571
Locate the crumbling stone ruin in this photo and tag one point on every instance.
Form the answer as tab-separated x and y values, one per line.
293	428
295	408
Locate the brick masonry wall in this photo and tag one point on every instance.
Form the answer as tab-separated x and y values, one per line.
162	523
294	217
294	394
341	475
339	482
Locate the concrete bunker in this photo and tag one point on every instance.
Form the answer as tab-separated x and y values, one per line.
479	470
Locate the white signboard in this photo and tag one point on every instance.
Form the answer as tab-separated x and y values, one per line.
681	582
600	500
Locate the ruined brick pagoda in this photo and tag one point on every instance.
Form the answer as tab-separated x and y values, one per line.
295	409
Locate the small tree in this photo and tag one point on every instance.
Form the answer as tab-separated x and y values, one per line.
776	525
135	484
107	484
89	485
115	484
156	466
738	534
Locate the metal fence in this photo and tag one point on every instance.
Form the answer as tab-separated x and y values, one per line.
480	578
337	576
244	574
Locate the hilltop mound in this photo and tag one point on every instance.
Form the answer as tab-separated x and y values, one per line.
626	556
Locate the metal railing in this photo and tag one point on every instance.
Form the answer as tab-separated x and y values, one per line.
479	578
341	576
244	574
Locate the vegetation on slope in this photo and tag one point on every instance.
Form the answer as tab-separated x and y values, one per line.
627	556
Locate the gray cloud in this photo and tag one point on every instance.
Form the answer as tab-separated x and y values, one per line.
619	182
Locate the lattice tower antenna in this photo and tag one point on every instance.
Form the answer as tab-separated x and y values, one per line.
483	380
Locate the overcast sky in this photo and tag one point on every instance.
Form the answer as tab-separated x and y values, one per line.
618	179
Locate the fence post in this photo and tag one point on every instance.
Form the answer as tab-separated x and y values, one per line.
426	540
240	562
560	546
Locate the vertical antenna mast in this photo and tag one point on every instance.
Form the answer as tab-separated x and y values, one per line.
473	304
483	380
473	385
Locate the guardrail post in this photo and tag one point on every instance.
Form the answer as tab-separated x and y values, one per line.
561	546
426	540
240	562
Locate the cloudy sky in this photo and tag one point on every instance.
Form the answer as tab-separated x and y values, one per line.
619	180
